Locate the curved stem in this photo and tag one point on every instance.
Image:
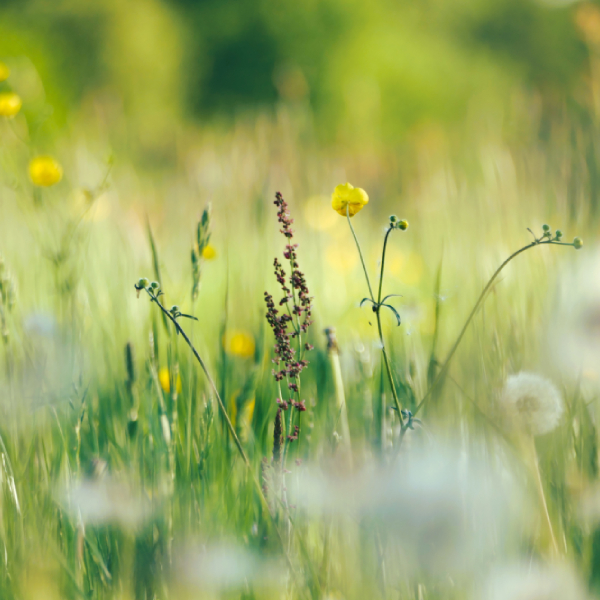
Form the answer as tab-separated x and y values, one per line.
376	307
480	300
362	260
388	369
384	351
230	426
231	429
382	265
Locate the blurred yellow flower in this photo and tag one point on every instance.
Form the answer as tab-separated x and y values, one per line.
45	171
209	252
239	343
164	377
4	72
10	104
346	195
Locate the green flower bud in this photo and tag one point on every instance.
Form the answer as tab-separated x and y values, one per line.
578	243
559	234
155	285
174	309
546	227
403	225
143	283
393	218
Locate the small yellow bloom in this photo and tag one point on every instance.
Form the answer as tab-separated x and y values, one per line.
164	378
209	252
346	195
10	104
239	343
4	72
45	171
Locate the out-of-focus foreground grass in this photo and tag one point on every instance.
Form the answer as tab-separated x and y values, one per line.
118	476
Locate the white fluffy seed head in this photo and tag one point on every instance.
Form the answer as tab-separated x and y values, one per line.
531	403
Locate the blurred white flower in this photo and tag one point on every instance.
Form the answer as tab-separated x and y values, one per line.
224	567
588	506
531	403
42	324
574	336
534	582
103	501
441	511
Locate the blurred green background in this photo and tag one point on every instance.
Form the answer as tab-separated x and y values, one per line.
472	119
373	71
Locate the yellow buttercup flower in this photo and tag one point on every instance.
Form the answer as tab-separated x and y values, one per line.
45	171
4	72
164	378
10	104
346	195
209	252
239	343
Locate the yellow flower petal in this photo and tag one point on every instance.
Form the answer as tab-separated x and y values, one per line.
10	104
239	343
209	252
164	378
348	199
45	171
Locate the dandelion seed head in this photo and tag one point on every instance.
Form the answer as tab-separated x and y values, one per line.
531	403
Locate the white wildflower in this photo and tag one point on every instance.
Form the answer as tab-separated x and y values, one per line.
573	340
531	403
443	512
223	567
104	501
534	582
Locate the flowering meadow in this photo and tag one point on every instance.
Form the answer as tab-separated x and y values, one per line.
248	362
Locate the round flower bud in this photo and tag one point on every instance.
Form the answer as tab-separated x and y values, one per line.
559	234
403	225
174	309
546	227
578	243
10	104
143	283
45	171
393	218
155	285
4	72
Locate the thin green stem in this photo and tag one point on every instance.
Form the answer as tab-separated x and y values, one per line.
444	369
362	260
382	265
377	307
230	426
385	356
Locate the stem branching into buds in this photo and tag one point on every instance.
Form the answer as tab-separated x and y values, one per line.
546	238
154	292
377	304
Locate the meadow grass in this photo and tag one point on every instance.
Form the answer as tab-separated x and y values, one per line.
138	462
